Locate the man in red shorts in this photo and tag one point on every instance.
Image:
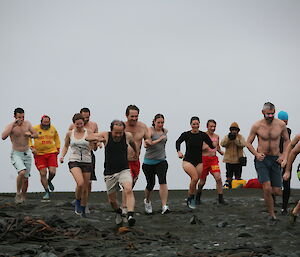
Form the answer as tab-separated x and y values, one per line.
139	131
211	163
45	150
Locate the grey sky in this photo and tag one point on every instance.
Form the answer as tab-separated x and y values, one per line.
213	59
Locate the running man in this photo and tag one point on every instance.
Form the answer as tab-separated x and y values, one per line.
139	132
291	158
93	128
20	131
192	160
116	167
45	150
267	156
211	163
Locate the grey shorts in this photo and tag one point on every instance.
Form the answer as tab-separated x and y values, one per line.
21	161
269	170
114	181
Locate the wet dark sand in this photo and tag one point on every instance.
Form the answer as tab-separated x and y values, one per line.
237	229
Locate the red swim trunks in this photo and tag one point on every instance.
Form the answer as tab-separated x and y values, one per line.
210	164
45	160
134	167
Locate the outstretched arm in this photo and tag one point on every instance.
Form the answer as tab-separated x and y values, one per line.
208	141
291	158
99	137
289	147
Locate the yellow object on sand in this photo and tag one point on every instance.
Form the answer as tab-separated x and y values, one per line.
238	183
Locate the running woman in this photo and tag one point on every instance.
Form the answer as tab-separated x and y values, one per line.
192	160
80	161
155	163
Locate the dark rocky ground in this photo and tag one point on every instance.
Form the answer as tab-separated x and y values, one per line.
237	229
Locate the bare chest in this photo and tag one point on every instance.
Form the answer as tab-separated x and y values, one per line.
269	133
19	131
137	133
91	126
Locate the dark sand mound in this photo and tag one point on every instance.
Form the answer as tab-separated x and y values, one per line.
237	229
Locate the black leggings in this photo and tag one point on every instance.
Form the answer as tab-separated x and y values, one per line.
233	169
286	191
150	171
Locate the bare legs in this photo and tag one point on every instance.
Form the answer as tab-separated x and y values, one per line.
82	180
194	173
268	190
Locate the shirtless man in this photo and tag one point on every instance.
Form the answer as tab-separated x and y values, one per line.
93	127
139	132
20	131
211	163
268	159
291	158
116	167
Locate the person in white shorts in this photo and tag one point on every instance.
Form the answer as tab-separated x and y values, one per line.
116	168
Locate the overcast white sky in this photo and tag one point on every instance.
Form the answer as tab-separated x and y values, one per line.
213	59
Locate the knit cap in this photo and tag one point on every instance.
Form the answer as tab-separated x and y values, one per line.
234	125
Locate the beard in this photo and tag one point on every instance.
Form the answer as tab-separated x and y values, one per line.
117	139
269	119
45	127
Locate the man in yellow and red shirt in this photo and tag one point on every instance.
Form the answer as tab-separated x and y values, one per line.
45	150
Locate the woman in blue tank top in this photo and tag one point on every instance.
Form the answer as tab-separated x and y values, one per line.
155	164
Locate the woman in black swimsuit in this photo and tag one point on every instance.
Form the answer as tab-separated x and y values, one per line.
192	160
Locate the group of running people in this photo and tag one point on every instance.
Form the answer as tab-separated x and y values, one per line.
122	146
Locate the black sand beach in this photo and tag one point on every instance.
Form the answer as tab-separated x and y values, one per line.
237	229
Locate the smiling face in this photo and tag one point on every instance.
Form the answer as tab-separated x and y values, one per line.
195	124
79	124
86	116
159	123
211	127
132	117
